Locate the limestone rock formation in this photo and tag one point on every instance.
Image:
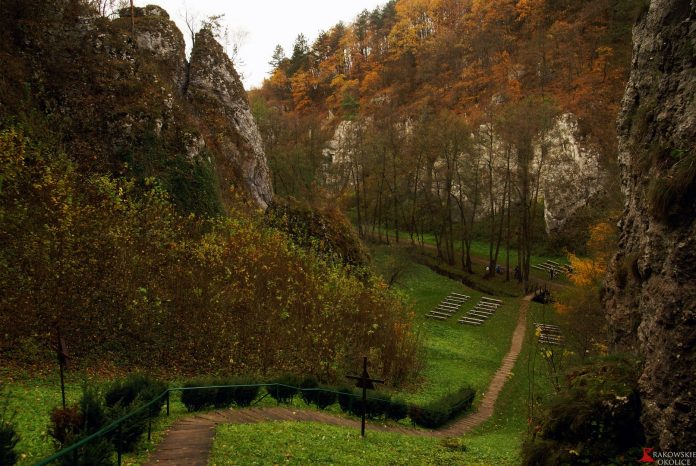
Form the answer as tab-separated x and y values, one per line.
651	286
216	92
122	104
574	177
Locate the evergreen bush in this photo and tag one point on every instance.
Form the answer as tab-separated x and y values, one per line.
224	394
285	390
309	396
396	410
73	423
348	400
376	405
439	412
8	435
138	388
324	397
124	397
197	399
244	396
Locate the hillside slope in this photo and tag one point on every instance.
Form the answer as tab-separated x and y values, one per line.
131	104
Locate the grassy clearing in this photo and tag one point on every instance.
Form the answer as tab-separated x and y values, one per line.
455	354
499	440
311	443
480	249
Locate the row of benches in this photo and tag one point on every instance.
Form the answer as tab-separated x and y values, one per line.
448	307
549	334
485	308
552	266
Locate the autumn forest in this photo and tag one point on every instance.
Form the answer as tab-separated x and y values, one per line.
446	193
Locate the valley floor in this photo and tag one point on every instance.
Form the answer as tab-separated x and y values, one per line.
456	355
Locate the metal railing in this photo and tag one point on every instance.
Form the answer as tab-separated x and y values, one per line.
116	425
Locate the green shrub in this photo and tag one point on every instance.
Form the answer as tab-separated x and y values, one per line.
597	416
136	389
244	396
309	396
349	400
429	416
198	398
439	412
224	394
396	410
376	405
8	435
126	396
70	424
324	397
285	390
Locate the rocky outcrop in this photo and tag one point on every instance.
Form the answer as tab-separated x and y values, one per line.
162	40
650	295
216	92
573	177
119	100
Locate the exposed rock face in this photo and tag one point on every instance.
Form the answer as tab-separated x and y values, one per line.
121	103
216	91
574	177
571	176
651	286
160	37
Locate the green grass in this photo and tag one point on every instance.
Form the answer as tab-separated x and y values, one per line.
32	401
501	437
304	443
455	354
480	249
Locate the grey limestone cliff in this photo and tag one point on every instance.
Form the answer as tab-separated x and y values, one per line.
651	286
216	92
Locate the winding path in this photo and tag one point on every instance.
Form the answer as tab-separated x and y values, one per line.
189	441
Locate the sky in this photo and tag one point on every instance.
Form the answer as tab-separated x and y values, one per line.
265	24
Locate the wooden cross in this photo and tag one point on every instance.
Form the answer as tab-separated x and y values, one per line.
364	381
62	354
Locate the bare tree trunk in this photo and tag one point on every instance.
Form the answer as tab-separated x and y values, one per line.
132	8
507	234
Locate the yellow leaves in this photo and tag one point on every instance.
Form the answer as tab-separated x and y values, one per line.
590	271
586	272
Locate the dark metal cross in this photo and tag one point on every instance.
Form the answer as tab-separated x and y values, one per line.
62	354
364	381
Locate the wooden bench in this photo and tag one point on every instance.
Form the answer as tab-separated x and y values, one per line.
478	315
487	305
492	300
470	321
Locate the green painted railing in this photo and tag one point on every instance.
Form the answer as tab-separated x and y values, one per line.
115	425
